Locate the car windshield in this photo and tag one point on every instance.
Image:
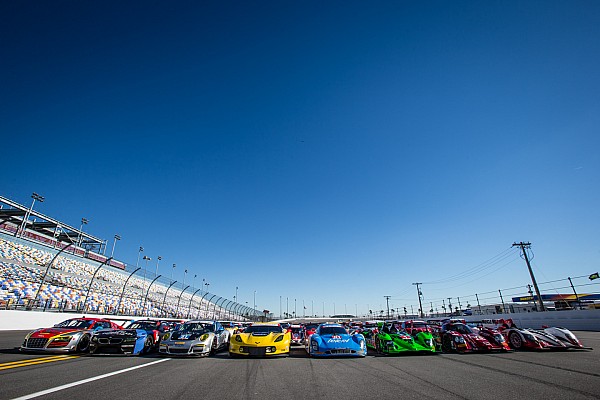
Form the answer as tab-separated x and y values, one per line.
296	330
263	329
75	323
142	325
461	328
333	330
417	325
310	327
196	327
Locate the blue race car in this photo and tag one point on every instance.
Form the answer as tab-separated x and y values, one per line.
137	339
333	340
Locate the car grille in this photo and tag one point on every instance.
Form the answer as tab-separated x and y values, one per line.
36	343
257	351
341	351
110	340
178	351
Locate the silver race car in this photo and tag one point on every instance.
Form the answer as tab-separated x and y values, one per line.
199	338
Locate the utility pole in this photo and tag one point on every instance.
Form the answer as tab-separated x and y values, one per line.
523	246
419	293
387	299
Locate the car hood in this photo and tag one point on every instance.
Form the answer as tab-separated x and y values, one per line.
123	333
259	340
50	332
187	336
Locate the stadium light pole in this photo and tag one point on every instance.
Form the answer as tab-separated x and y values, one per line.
157	261
124	286
84	221
165	298
179	300
87	294
146	258
35	197
172	270
112	252
148	291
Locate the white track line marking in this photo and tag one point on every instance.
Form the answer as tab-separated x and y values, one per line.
81	382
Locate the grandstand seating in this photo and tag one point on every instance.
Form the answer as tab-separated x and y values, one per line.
22	265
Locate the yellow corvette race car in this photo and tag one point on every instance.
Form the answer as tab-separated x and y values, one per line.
261	339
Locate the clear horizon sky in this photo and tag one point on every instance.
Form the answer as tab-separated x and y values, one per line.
327	152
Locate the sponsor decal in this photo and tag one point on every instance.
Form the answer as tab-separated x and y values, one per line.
332	340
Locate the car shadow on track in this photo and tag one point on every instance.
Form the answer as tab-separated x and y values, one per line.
14	350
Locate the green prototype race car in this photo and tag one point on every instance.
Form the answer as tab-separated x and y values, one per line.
392	339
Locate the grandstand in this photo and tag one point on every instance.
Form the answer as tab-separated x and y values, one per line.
41	271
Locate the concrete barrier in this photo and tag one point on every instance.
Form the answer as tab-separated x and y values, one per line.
577	320
11	320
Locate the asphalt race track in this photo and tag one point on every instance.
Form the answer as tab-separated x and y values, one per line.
516	375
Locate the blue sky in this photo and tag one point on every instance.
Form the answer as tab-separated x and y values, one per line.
329	153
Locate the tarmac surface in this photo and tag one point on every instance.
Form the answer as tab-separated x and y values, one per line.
514	375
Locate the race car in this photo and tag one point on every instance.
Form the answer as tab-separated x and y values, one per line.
392	339
261	339
550	338
297	334
308	330
231	327
459	337
414	326
140	337
334	340
200	338
566	337
72	335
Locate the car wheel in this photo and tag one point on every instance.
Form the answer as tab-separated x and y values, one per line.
447	344
214	347
515	340
84	344
148	345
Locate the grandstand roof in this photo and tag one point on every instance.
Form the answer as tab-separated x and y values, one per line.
12	215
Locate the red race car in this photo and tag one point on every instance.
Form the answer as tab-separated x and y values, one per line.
72	335
461	338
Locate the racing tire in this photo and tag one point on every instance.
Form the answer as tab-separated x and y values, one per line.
84	344
447	344
215	347
515	340
148	345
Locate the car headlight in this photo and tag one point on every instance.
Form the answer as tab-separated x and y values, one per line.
314	345
204	337
166	336
67	336
238	338
94	338
459	339
279	338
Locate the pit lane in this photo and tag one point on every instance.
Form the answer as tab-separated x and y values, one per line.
535	375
